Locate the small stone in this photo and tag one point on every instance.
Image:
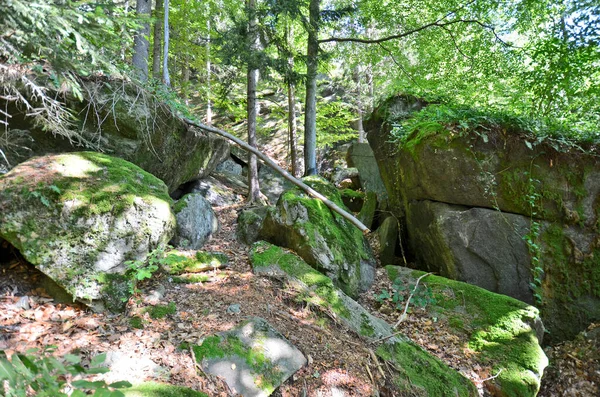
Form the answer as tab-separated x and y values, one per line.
234	309
23	303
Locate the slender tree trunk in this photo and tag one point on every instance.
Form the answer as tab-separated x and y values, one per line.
185	78
156	72
140	41
254	189
292	122
310	111
293	129
124	28
208	71
166	78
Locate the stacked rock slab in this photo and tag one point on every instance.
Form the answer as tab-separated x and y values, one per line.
512	215
79	217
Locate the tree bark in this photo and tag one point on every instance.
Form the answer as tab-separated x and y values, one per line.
140	41
156	72
310	111
333	206
208	70
359	105
292	121
252	76
166	78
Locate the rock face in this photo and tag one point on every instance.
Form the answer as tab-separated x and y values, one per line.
457	239
322	238
128	122
418	373
498	209
504	332
78	217
196	221
253	358
388	238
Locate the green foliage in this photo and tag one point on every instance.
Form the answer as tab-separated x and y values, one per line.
40	373
138	270
334	123
401	290
463	120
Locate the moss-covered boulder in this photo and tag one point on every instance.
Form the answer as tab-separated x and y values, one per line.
418	372
78	217
526	208
504	333
253	358
127	121
154	389
324	239
249	222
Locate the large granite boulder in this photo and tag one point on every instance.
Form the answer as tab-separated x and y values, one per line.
321	237
196	221
126	121
78	217
528	210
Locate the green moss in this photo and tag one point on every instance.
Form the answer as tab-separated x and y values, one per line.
121	183
115	290
177	262
191	278
216	346
136	323
345	241
160	311
421	374
180	205
324	294
366	329
153	389
502	332
352	194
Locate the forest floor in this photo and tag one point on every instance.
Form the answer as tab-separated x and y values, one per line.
339	363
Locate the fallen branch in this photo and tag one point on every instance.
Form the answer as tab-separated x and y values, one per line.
333	206
403	316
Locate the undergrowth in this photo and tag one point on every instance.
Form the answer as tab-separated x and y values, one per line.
461	120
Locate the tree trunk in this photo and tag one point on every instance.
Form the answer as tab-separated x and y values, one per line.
312	192
140	41
208	71
156	73
185	78
293	127
254	189
166	78
310	111
292	121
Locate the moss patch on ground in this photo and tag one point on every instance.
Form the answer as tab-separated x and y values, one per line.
153	389
158	312
500	329
324	293
177	262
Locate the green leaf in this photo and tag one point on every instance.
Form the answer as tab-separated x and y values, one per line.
86	384
6	371
98	360
120	385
